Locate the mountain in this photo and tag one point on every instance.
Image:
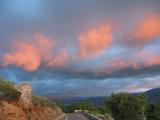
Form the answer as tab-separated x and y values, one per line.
153	95
66	100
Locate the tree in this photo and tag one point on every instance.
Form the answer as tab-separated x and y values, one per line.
142	98
153	112
125	106
103	110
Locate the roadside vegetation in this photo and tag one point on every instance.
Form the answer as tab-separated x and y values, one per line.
43	101
7	91
153	112
121	106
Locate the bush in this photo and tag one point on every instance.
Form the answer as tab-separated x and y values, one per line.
43	101
7	90
125	106
153	112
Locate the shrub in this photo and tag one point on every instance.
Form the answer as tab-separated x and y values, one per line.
153	112
8	92
43	101
125	106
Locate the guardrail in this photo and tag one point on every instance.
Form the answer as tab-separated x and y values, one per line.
91	116
62	117
66	117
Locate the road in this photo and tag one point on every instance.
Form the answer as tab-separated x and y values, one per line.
76	116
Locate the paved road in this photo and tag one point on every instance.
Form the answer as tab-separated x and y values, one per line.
76	116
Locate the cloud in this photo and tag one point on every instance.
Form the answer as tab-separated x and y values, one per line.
135	89
59	60
148	58
142	86
121	63
136	60
29	55
45	45
146	31
95	40
64	20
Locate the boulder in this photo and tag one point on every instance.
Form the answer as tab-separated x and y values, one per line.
26	94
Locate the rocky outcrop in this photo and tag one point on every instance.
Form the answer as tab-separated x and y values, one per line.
26	93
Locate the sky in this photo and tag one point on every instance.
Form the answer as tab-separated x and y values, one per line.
81	48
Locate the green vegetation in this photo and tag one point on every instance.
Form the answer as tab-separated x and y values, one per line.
85	105
121	106
43	101
124	106
153	112
7	90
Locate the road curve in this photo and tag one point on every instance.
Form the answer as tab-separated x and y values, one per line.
76	116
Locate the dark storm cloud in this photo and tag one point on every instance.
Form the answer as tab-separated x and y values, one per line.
67	74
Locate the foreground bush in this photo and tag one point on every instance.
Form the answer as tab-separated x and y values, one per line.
43	101
153	112
7	91
125	106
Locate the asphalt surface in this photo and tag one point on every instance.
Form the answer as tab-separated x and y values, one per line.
76	116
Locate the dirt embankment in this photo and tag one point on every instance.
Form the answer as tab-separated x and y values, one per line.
17	111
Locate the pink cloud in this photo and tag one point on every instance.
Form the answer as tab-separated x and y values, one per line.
138	60
59	60
135	88
95	40
146	31
29	55
141	87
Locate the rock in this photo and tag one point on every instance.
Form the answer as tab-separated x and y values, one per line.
26	93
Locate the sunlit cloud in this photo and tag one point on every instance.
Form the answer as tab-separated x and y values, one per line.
59	60
29	55
141	87
146	31
149	58
137	60
95	40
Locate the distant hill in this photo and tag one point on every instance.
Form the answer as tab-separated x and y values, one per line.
153	95
66	100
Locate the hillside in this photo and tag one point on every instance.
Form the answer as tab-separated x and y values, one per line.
67	100
18	103
153	95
